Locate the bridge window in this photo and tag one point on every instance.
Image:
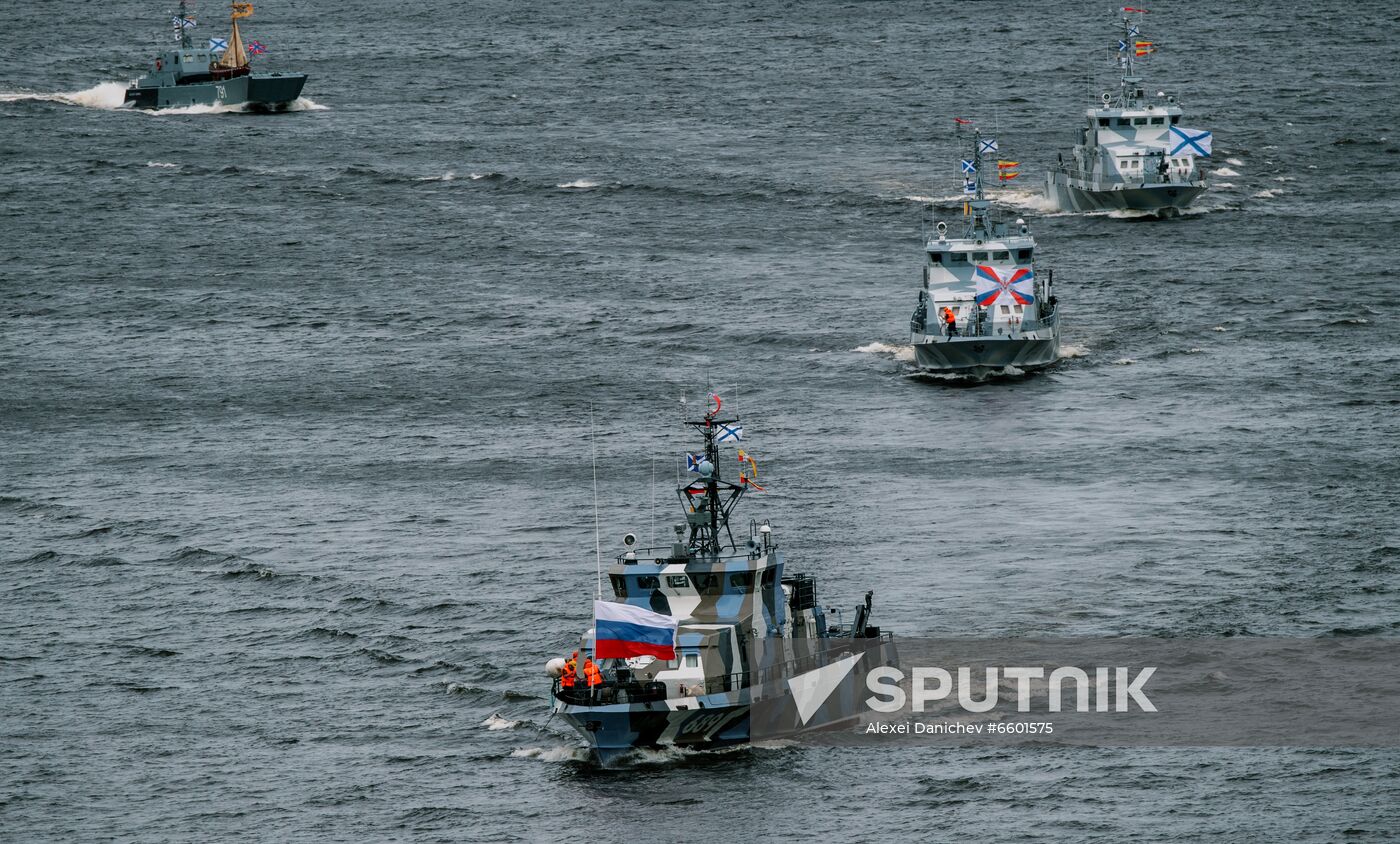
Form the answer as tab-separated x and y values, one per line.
935	257
619	585
706	584
741	581
692	660
1176	118
957	258
1156	121
1001	256
1023	255
1139	121
677	581
979	256
648	581
1103	121
770	576
1020	310
1006	309
1123	121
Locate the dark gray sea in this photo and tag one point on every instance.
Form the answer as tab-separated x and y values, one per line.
295	485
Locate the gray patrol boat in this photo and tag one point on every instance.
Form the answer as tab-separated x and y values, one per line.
982	307
751	643
212	75
1132	154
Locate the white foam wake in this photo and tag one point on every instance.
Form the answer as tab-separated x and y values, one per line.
579	184
1070	350
1226	171
496	722
900	353
106	95
1028	200
551	754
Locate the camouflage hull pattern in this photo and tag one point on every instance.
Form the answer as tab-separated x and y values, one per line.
265	91
709	723
1165	199
763	712
982	356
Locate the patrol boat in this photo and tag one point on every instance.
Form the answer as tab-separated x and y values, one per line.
982	307
752	649
1132	153
212	75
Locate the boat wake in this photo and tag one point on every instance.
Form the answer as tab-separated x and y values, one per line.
111	96
551	754
106	95
899	353
1028	201
964	379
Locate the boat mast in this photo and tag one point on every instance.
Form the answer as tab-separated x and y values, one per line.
979	205
717	498
1130	79
184	26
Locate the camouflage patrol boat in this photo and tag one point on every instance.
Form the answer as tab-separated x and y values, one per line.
982	307
1132	153
217	74
750	644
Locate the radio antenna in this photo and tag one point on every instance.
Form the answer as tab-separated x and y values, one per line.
597	536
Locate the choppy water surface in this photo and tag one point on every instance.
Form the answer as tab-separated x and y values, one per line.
296	494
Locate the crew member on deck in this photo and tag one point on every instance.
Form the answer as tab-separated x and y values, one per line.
569	678
592	677
950	320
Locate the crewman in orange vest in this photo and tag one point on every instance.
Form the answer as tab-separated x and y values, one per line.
950	319
592	677
570	676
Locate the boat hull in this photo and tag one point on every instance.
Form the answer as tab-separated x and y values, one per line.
982	356
1164	200
267	91
615	730
762	712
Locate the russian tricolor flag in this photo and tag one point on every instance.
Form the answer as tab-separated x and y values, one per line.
622	630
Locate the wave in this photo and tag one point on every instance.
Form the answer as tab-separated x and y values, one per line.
164	164
1268	193
1234	161
1226	171
306	104
496	722
1071	350
1124	362
579	184
900	353
445	177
